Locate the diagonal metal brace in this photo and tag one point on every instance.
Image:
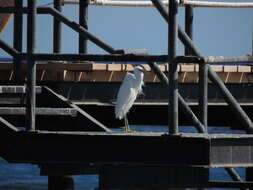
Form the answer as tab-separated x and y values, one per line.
236	108
11	51
81	30
183	105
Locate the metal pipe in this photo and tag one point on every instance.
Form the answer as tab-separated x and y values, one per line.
83	21
188	25
18	39
182	3
31	71
57	28
236	108
203	82
229	59
182	104
173	74
203	94
233	174
98	57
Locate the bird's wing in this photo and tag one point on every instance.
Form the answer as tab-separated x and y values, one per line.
126	96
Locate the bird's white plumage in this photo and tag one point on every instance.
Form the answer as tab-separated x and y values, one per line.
128	92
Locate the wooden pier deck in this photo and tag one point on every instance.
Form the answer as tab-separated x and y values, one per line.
115	72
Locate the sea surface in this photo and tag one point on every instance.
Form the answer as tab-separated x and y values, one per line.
27	177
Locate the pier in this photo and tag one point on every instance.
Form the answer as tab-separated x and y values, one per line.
57	109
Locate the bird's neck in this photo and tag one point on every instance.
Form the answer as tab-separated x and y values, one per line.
139	75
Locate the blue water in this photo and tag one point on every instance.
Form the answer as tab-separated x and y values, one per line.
27	177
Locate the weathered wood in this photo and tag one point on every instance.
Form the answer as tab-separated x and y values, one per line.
39	111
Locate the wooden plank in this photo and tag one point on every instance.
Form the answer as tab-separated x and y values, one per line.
16	89
187	68
230	68
99	67
39	111
244	69
114	67
217	68
127	67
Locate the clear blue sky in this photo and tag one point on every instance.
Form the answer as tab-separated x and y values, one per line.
219	31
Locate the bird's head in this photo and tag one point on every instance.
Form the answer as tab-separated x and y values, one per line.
140	68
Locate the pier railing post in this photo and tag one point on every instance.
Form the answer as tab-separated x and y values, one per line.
57	28
83	21
18	39
173	74
31	66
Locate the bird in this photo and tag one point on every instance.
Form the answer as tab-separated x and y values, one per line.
129	89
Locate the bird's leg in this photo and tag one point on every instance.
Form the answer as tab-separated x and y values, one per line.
127	129
126	124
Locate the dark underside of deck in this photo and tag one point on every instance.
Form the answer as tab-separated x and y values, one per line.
45	147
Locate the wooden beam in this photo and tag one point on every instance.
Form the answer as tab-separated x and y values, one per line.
39	111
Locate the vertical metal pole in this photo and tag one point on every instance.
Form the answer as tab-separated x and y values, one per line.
173	74
31	71
203	93
83	21
188	25
18	40
57	28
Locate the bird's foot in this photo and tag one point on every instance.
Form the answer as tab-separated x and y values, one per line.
127	130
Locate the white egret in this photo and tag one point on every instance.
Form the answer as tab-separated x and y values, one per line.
130	88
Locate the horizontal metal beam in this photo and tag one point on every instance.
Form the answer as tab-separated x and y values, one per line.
99	58
228	59
39	111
